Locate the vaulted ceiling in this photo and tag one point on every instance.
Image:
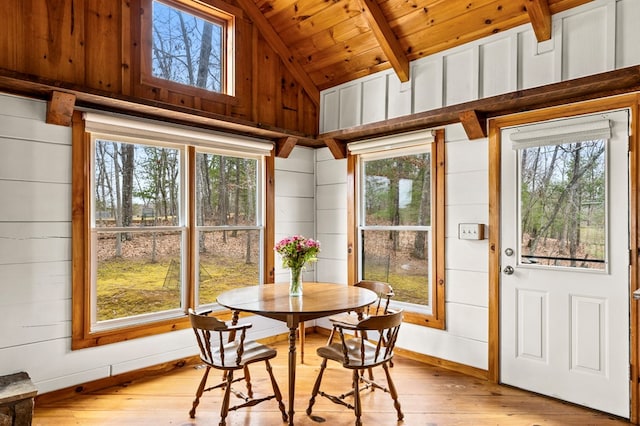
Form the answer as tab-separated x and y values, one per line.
329	42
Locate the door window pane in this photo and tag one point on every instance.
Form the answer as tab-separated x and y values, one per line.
562	204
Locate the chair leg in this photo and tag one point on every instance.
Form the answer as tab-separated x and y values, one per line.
393	392
276	390
371	374
203	382
330	339
316	386
247	379
224	409
357	407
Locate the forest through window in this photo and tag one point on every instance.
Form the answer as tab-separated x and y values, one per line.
563	205
139	249
187	48
395	230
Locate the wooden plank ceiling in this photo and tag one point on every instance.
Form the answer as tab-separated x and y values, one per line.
329	42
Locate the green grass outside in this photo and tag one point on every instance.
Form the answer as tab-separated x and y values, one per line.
407	288
127	287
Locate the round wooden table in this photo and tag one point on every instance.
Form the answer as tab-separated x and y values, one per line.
273	301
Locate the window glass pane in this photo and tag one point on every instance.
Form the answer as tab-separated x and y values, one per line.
137	273
397	191
135	185
400	258
187	49
563	205
228	259
226	190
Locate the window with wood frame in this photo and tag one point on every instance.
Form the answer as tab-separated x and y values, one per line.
188	46
398	216
164	220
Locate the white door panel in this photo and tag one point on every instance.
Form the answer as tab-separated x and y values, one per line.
565	301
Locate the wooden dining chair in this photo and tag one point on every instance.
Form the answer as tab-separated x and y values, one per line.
358	354
381	306
225	347
384	292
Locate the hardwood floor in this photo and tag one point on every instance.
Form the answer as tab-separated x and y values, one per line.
429	396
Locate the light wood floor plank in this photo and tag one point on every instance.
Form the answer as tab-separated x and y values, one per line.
429	396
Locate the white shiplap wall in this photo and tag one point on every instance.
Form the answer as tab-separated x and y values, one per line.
295	186
35	256
35	261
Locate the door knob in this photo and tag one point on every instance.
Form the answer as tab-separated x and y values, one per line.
508	270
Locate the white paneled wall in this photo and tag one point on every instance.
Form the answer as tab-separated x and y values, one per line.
599	36
295	184
332	217
35	256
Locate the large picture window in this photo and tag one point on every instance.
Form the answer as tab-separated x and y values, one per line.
398	208
168	217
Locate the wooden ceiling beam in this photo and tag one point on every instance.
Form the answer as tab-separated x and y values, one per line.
271	36
388	41
284	146
540	17
87	97
610	83
60	108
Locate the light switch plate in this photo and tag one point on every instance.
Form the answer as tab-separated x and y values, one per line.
471	231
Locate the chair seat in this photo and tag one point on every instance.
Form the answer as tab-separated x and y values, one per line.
350	318
353	360
253	352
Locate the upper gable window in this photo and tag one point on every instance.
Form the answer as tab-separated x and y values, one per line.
190	44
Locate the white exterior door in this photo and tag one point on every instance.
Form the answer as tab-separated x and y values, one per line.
564	294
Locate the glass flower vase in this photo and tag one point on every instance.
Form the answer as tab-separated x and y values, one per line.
295	281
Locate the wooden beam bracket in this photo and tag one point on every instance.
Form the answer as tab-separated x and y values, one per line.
60	108
474	123
337	148
284	146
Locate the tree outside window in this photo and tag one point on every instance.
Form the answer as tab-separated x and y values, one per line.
188	47
160	224
395	226
138	241
228	222
398	211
